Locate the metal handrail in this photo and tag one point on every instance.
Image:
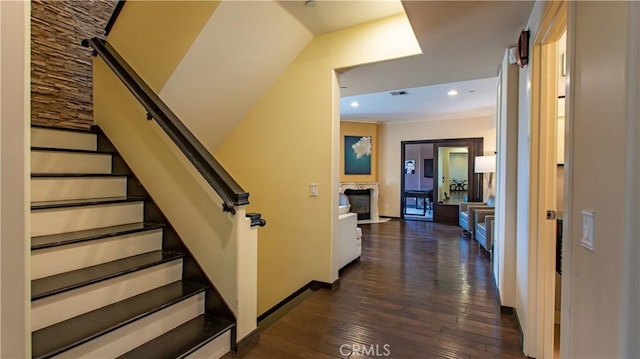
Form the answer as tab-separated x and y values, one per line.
220	180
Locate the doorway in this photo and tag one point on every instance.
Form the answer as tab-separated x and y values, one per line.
548	72
559	187
436	176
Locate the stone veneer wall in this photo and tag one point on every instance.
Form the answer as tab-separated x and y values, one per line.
61	69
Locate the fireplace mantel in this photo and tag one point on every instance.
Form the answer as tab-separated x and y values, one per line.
371	186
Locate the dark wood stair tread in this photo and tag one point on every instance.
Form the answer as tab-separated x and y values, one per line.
183	340
82	130
70	333
61	239
65	175
84	202
44	287
71	150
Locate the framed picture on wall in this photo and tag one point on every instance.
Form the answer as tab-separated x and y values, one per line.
357	155
410	167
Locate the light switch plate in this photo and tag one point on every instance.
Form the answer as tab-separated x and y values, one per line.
588	229
313	189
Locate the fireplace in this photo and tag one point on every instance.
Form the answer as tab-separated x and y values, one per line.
360	200
371	189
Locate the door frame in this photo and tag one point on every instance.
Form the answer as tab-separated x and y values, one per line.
476	148
542	196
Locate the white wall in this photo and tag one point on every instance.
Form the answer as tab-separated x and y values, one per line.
525	299
15	118
504	250
630	324
391	136
602	139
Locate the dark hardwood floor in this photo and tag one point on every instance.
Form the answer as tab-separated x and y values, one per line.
421	290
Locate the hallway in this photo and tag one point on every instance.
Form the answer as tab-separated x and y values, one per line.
422	289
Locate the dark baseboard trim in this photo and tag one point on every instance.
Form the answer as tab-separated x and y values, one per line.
519	327
283	302
506	310
246	341
315	285
348	266
511	310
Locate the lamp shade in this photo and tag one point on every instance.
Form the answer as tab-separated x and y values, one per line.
485	164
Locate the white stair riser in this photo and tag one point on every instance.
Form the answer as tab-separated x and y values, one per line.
42	137
60	189
71	219
50	261
56	308
141	331
69	162
215	348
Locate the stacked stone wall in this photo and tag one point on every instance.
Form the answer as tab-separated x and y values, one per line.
61	69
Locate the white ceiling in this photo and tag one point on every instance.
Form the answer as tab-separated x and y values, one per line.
461	41
330	15
475	98
246	45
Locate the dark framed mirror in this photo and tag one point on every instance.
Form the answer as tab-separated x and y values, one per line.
456	180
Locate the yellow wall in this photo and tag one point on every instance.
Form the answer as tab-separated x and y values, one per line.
360	129
288	140
189	203
153	36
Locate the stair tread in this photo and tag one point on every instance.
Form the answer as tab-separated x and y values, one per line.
61	239
44	287
82	130
84	202
183	340
63	175
70	333
71	150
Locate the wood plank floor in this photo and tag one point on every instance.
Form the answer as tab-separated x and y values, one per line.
421	290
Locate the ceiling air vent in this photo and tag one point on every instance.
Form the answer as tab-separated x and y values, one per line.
399	93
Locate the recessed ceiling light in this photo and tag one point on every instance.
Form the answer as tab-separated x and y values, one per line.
310	3
355	104
472	91
452	93
343	87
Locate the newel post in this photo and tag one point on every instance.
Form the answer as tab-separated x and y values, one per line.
247	275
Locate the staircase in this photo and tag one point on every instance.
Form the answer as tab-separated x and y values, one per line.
109	275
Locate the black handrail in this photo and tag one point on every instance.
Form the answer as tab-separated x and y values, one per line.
114	17
220	180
